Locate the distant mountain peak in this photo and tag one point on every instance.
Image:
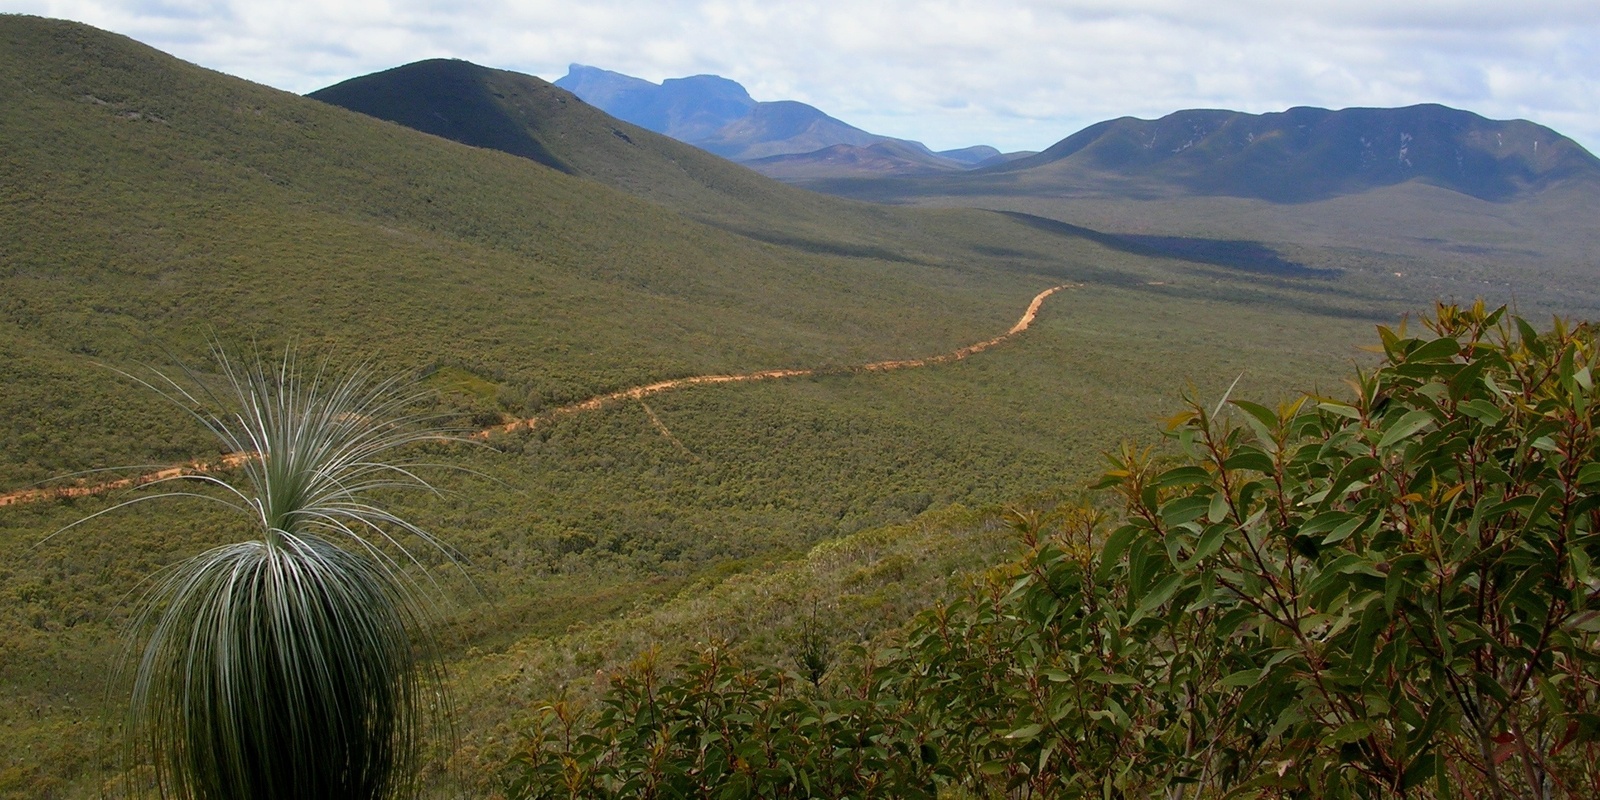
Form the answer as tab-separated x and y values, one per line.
718	115
601	86
714	85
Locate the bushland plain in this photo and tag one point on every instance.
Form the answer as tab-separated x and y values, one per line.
152	207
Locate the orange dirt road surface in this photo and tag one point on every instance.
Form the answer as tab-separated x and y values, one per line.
593	403
83	490
641	392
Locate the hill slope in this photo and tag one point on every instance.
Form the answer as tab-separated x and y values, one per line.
446	98
151	206
526	116
1309	154
843	160
1306	154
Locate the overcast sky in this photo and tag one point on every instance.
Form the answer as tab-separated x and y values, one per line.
951	73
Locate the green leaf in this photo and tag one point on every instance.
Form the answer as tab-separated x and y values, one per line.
1210	542
1326	521
1111	552
1350	732
1398	579
1343	410
1443	349
1184	509
1262	419
1344	531
1251	459
1530	338
1218	510
1241	679
1162	592
1183	476
1113	678
1482	410
1409	424
1549	497
1420	770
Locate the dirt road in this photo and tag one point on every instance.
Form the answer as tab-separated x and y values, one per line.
593	403
641	392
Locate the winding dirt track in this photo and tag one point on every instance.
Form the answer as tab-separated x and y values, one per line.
641	392
82	490
593	403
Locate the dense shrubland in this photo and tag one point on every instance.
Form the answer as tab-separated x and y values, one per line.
1389	593
212	207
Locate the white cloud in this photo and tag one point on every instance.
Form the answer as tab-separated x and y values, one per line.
1014	74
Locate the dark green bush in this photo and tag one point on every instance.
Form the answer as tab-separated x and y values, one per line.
721	729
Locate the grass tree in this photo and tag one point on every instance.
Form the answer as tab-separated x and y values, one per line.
295	663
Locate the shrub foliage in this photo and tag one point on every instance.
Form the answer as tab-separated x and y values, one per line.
1389	593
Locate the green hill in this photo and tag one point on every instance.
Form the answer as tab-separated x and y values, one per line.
150	205
1300	155
526	116
1308	154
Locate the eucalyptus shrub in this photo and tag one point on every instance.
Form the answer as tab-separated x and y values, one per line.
715	727
1386	594
1381	595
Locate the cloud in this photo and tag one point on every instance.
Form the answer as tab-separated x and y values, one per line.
1019	75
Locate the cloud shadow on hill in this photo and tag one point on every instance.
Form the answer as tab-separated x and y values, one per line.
1236	254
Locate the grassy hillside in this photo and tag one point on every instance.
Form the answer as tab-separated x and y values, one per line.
147	205
153	202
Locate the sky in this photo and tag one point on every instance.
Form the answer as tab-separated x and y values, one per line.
1014	74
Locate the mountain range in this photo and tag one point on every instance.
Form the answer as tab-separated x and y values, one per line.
1297	155
1312	153
1383	190
719	116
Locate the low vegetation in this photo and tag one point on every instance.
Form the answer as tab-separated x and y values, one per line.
1385	595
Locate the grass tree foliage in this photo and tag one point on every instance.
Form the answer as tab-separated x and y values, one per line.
1389	594
290	664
